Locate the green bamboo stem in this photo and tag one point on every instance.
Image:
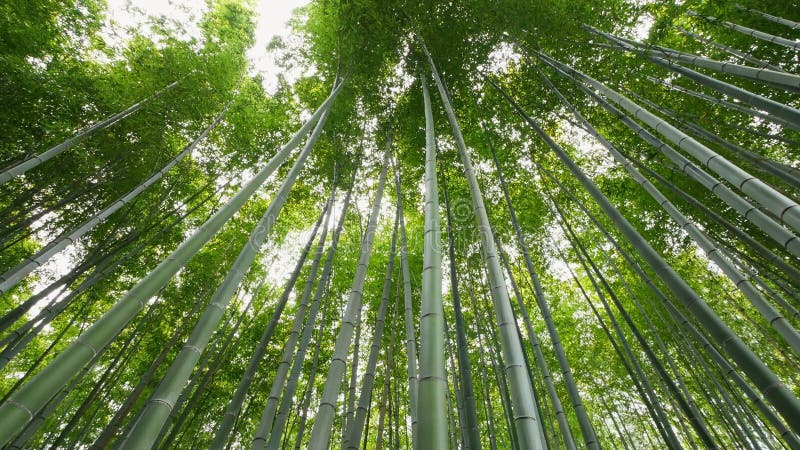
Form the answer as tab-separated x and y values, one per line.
82	135
789	23
750	32
524	414
321	431
745	56
583	420
408	309
20	408
752	112
777	78
773	389
356	428
786	209
271	408
145	431
431	413
770	314
781	235
473	438
13	276
682	322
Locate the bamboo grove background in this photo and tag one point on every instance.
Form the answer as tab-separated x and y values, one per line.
468	224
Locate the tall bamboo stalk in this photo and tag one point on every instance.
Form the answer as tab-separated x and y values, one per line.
321	431
146	429
408	310
21	407
82	135
773	389
745	56
472	433
749	31
356	428
524	414
432	389
778	78
278	382
781	235
584	422
13	276
770	314
786	209
275	429
789	23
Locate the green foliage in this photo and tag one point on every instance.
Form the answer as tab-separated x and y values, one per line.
58	76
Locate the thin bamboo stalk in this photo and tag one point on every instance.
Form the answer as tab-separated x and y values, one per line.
82	135
21	408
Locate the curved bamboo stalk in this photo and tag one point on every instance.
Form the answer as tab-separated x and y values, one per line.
20	409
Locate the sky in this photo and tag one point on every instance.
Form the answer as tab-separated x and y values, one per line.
272	16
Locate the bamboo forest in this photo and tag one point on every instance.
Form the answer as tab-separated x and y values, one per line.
447	224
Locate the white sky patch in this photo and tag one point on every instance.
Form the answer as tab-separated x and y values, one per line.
272	18
642	28
184	16
501	57
587	147
123	16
